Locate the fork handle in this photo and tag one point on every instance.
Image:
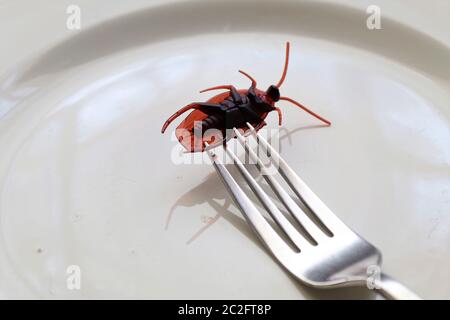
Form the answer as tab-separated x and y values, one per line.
393	290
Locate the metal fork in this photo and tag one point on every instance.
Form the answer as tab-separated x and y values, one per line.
327	253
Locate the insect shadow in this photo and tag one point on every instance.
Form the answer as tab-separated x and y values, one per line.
212	192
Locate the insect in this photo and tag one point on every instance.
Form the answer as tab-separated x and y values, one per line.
210	121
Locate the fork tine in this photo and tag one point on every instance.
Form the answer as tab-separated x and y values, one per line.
270	206
309	226
306	195
264	230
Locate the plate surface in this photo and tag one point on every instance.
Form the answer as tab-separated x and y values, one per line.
87	179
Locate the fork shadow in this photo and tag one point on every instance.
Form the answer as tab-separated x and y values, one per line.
212	192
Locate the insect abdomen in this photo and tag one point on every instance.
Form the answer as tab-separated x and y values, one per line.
211	122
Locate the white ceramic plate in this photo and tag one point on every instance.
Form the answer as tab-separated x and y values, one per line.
87	179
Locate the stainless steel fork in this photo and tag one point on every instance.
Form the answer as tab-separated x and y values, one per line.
326	253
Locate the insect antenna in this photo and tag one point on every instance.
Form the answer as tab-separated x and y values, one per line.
298	104
286	63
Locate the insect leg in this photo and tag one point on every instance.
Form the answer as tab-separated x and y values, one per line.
250	77
261	125
236	96
306	109
280	116
204	107
225	87
234	93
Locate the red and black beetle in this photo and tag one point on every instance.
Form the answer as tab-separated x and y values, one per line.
228	110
